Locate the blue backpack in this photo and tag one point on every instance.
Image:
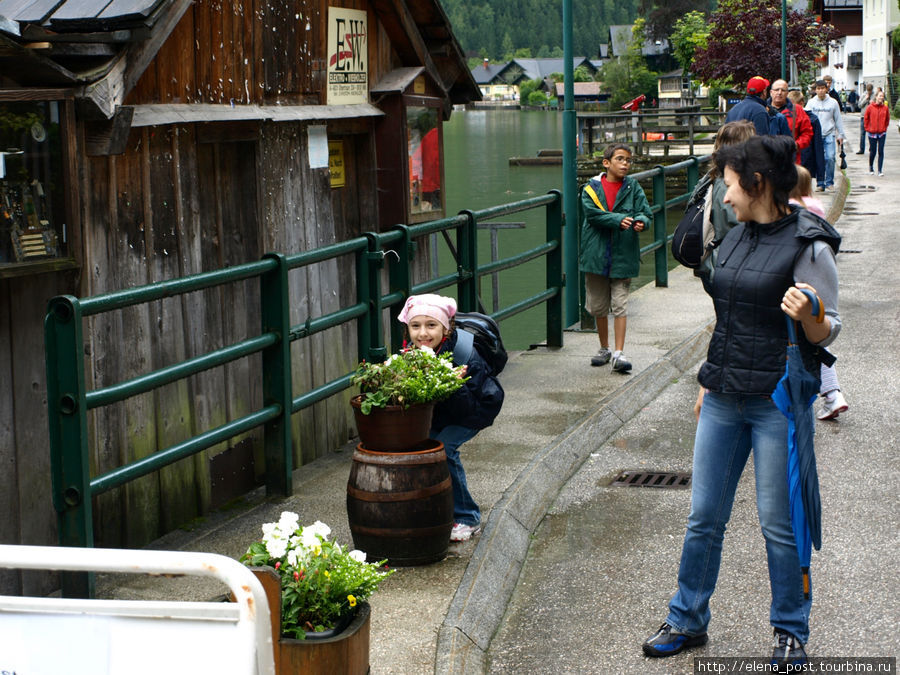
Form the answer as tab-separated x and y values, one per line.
479	332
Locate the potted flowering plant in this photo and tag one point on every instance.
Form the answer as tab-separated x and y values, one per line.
393	412
322	583
407	378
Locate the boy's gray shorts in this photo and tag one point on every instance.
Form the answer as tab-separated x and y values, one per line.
603	295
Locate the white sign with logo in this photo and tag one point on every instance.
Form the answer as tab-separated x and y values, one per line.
348	51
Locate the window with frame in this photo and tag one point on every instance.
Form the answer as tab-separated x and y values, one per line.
423	135
34	214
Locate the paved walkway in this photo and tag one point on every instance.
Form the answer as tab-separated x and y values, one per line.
570	574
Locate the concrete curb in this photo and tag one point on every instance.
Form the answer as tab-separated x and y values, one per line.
477	609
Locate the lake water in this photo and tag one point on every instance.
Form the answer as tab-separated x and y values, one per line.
477	148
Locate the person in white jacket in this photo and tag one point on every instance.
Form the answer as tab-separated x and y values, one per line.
829	113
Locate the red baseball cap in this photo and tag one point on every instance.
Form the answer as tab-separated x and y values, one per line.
757	85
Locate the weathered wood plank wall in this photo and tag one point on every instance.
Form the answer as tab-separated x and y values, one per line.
184	199
223	52
177	205
27	512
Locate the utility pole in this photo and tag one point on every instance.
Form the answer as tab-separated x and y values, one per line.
570	179
784	40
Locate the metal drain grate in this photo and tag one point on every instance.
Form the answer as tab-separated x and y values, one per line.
652	479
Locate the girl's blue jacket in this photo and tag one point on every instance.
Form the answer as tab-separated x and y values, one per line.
477	402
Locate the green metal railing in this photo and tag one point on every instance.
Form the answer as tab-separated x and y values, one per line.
69	401
659	206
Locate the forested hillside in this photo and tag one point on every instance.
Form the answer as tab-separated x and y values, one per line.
500	27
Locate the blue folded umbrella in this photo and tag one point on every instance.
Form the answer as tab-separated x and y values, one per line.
793	396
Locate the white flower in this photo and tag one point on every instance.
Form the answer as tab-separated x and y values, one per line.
276	547
292	556
289	521
319	527
357	555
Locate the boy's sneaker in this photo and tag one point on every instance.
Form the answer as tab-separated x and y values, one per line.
788	654
881	173
462	532
602	357
620	364
833	406
667	642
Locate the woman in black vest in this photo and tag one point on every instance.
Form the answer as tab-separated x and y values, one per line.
762	263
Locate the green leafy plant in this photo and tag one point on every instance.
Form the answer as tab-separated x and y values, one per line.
321	581
409	377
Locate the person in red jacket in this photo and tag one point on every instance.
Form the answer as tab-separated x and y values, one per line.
798	120
876	121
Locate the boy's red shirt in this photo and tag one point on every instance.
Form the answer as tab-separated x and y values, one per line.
610	190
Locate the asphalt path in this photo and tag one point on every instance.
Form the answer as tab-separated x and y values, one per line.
603	563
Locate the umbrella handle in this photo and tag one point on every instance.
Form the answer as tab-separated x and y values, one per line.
816	308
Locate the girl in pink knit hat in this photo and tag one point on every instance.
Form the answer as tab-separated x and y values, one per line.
429	324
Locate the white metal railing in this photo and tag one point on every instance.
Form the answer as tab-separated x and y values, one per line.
48	636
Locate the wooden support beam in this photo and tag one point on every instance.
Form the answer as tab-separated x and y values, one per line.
108	137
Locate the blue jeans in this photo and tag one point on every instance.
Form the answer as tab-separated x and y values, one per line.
828	145
876	145
465	510
730	425
862	134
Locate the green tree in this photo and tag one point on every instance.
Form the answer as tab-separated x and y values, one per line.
688	35
745	40
537	98
507	48
581	74
526	89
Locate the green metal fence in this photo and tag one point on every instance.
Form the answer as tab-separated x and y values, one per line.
69	401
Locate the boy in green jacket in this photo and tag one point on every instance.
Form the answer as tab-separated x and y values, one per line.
610	250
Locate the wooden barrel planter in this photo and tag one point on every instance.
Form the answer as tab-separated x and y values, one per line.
392	428
347	652
400	504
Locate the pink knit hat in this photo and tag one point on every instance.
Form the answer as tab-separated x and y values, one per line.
436	306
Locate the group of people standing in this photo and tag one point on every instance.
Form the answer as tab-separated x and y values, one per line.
771	246
816	124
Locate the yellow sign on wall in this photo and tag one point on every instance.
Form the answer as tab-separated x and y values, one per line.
336	163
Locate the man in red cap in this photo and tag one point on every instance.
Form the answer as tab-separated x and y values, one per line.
753	107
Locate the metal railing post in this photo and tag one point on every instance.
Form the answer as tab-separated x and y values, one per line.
400	277
659	226
67	414
693	174
375	350
554	268
276	376
467	246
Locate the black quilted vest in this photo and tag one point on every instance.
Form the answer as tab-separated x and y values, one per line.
754	268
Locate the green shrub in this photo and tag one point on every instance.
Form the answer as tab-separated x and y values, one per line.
537	98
